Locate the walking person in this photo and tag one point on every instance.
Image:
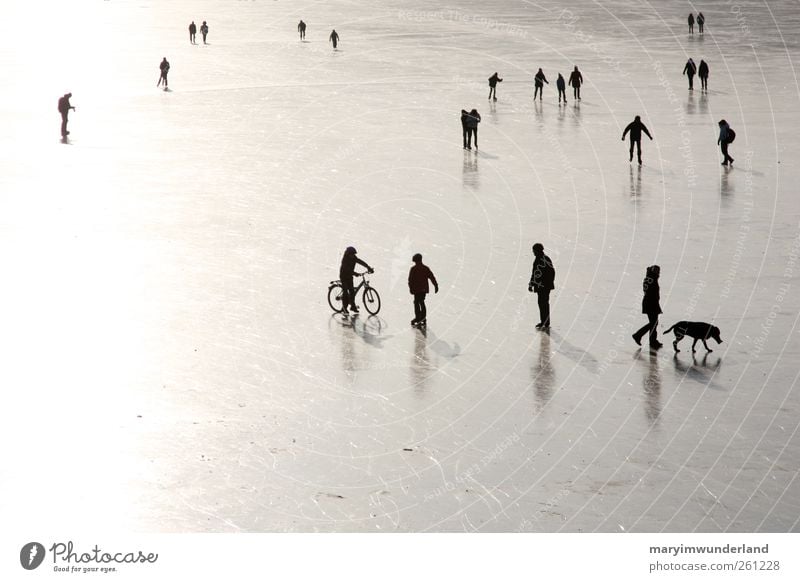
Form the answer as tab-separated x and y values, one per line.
164	67
562	88
701	20
301	28
493	81
538	81
63	108
702	72
346	273
192	32
473	119
464	117
418	277
690	70
204	31
334	38
690	20
575	81
636	127
542	281
726	137
650	307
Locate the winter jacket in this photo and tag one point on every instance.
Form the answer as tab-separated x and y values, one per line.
636	128
560	84
418	277
540	79
473	120
543	275
690	68
493	80
703	70
348	266
575	79
652	296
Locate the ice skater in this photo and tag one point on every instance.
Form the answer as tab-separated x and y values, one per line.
204	31
538	84
690	70
636	127
472	121
575	81
334	38
561	85
726	137
690	20
192	32
301	28
418	277
542	281
63	108
650	307
164	67
493	81
701	20
346	273
464	117
702	72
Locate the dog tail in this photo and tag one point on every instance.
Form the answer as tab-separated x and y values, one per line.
670	329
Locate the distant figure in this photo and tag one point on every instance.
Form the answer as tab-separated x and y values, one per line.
418	277
301	27
650	307
192	32
204	31
63	108
636	127
334	38
346	272
691	23
702	72
542	282
538	84
464	117
562	88
701	20
493	80
473	119
726	137
575	81
164	66
690	70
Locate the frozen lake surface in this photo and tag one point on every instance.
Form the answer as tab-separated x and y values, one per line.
170	363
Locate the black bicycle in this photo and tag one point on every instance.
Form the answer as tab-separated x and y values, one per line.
369	297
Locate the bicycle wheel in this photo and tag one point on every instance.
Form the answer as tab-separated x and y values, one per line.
371	300
335	293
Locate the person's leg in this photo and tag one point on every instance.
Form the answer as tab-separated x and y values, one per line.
464	136
630	157
417	309
469	138
63	125
578	89
639	151
725	155
639	334
475	133
423	311
652	319
544	307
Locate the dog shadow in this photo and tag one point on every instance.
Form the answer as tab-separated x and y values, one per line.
702	371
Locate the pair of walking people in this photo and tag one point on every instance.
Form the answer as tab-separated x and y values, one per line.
193	32
690	70
469	127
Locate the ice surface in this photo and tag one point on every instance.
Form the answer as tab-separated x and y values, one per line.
170	362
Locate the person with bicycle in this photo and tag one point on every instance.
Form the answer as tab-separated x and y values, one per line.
346	273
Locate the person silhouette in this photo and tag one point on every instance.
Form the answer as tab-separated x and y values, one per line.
334	38
346	273
472	121
63	108
701	20
493	81
690	20
464	117
575	81
164	68
690	70
538	84
542	281
726	136
636	127
192	32
204	31
301	27
650	307
562	88
418	277
702	72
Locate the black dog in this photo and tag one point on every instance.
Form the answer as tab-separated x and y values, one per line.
696	329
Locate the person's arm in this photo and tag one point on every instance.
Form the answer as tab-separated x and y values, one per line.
363	264
545	79
533	275
433	280
647	132
627	129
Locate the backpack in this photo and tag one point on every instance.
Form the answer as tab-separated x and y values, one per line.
731	135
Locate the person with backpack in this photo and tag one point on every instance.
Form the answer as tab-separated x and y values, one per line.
701	20
702	72
542	281
418	277
690	70
63	108
562	88
636	127
204	31
538	81
575	81
493	81
726	137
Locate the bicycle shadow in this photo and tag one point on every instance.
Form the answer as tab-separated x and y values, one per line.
369	329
